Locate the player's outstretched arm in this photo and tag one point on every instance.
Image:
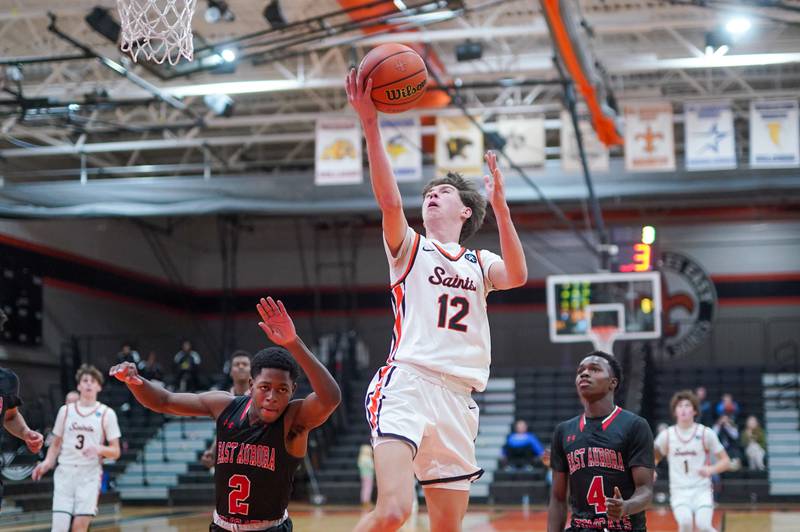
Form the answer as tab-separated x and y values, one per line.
557	509
512	271
15	424
326	396
384	184
159	399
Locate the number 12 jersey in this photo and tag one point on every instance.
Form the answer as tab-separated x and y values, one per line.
439	301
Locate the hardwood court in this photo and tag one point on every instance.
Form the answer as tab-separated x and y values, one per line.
479	519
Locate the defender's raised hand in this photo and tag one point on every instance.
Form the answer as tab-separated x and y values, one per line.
127	373
276	322
359	95
495	184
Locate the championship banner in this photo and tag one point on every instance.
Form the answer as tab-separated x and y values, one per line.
402	138
649	139
524	139
596	151
459	146
709	134
338	152
774	135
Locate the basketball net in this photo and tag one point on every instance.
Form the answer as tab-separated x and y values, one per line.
158	30
603	337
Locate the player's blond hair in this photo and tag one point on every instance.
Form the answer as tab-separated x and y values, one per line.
470	197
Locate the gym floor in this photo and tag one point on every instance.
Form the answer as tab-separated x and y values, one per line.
479	519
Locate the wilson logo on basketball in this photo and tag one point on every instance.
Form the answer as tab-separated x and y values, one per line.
405	92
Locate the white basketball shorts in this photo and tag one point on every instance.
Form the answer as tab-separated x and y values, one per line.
692	498
436	416
77	488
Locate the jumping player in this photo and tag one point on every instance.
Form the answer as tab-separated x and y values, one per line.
422	417
262	437
604	457
81	432
689	446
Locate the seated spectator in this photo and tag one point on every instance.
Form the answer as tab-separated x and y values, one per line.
728	407
754	442
729	437
521	448
152	370
187	368
706	414
128	354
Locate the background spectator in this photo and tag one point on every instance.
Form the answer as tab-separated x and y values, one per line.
754	442
366	471
128	354
152	370
187	368
521	448
706	414
728	407
729	437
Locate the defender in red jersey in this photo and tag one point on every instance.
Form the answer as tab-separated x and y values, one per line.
603	458
261	438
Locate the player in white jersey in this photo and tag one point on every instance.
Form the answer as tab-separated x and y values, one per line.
422	417
689	447
81	431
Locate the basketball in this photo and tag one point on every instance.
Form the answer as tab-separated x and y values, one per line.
398	74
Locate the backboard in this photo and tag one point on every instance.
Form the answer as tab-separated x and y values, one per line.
629	302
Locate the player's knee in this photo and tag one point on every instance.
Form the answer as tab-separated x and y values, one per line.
392	515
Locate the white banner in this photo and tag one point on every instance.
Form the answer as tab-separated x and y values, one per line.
338	152
459	147
402	138
524	139
649	139
596	151
709	136
774	135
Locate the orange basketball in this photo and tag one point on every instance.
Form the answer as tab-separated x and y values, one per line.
399	77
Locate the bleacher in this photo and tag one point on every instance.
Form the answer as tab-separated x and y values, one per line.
544	397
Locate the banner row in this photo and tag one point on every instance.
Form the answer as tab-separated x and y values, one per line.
709	141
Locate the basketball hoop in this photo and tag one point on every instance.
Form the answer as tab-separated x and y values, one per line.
159	30
603	336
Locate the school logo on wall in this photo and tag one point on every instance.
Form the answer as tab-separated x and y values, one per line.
689	304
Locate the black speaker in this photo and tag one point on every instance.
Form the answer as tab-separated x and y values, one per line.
101	21
274	15
467	51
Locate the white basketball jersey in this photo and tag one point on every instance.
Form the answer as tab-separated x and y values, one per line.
82	427
439	301
687	452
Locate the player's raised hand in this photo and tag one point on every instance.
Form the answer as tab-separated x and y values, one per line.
276	322
494	182
615	506
359	96
33	440
127	373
